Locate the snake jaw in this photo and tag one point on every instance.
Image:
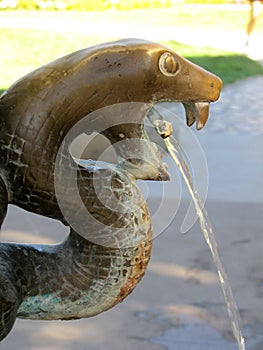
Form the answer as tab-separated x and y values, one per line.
148	171
145	162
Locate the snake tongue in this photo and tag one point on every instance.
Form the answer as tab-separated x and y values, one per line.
196	111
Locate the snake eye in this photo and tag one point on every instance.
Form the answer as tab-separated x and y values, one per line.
168	64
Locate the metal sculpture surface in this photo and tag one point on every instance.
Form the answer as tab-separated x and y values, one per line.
82	277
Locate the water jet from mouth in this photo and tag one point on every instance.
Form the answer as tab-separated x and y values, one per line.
176	153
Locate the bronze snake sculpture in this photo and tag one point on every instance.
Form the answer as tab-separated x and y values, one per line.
82	277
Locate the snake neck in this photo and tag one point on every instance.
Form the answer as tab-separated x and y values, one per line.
98	264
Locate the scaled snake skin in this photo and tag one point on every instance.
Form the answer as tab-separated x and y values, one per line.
82	277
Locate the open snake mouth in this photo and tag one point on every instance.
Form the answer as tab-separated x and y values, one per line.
134	150
195	111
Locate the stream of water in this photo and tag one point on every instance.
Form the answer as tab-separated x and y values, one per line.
176	153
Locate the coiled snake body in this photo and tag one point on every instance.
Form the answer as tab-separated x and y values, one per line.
82	277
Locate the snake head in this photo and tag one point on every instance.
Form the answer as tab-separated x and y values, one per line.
131	73
145	73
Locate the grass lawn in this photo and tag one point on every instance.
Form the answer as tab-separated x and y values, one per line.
22	50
